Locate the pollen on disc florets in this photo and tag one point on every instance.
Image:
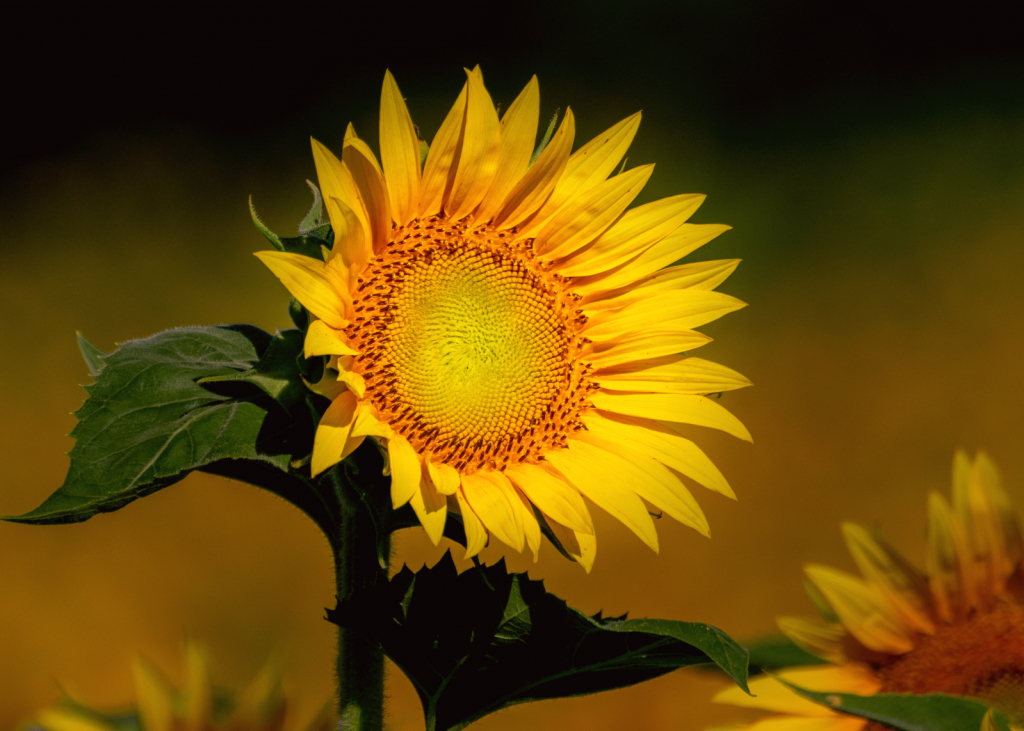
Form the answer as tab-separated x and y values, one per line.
469	345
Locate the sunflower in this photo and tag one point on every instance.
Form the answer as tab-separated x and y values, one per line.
196	707
508	330
956	628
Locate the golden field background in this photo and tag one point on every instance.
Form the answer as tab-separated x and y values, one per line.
882	242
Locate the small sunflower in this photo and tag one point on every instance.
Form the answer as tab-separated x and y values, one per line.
196	707
957	628
508	330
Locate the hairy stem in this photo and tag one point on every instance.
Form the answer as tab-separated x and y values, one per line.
360	662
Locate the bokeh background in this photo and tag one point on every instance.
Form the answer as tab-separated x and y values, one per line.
870	159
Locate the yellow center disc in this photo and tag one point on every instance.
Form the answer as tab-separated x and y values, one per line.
468	346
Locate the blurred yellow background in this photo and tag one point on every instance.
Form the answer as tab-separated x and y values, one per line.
880	216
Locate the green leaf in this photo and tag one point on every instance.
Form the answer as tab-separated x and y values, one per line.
93	356
314	218
147	423
276	373
477	642
906	712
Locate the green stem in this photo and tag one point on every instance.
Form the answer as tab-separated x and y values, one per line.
360	662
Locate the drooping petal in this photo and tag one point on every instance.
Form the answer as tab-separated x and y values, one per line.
534	188
494	501
889	578
588	215
333	433
634	232
317	286
476	535
591	470
581	546
552	495
518	137
679	408
643	346
322	339
444	477
684	240
862	610
684	308
431	507
360	161
406	470
671	374
399	153
663	444
479	146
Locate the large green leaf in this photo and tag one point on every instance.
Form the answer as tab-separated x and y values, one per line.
147	422
906	712
477	642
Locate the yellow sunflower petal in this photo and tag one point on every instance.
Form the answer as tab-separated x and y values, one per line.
518	137
862	610
653	482
581	546
771	695
671	374
634	232
444	477
884	574
494	501
367	424
311	282
262	704
476	535
431	507
399	153
1010	544
589	214
369	180
438	171
153	696
536	185
406	470
820	639
684	240
663	444
684	308
552	495
531	528
947	561
699	275
58	719
333	433
643	346
673	407
351	241
197	693
591	470
477	158
322	339
588	166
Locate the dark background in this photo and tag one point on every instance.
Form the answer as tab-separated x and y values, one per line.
870	158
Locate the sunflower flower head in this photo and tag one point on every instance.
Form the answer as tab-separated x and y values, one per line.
196	706
956	628
508	330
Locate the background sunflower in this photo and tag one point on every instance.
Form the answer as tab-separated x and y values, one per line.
872	170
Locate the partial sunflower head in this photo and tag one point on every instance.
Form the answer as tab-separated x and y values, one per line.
508	330
195	707
956	628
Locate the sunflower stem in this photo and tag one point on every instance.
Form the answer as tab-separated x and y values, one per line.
360	662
